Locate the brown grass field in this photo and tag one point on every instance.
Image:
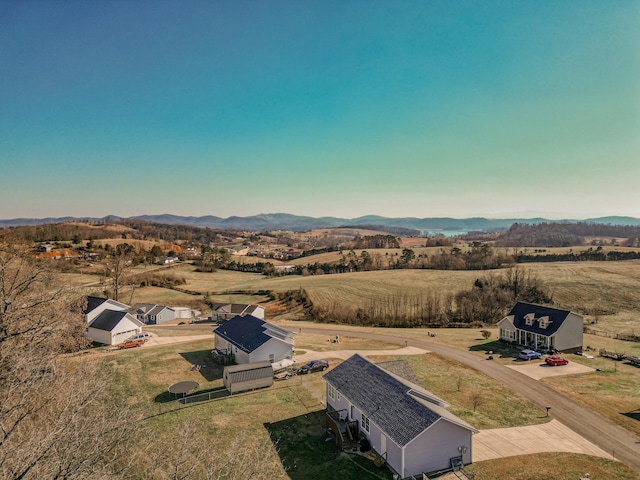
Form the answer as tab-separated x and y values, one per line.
607	294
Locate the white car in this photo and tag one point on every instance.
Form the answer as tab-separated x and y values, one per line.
141	336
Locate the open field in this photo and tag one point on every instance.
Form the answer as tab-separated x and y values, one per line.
606	293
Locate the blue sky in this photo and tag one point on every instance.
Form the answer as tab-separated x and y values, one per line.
333	108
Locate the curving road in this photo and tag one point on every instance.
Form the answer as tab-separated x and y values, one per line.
622	444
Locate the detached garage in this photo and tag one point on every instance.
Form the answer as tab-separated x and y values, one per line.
240	378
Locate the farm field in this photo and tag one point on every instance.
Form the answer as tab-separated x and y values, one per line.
607	294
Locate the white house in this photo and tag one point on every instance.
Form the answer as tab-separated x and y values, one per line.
225	311
406	425
250	339
543	328
96	305
113	326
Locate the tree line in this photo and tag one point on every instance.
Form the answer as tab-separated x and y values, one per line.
487	301
562	234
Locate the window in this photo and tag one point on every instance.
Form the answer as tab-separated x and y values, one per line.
543	322
364	421
528	319
332	391
272	358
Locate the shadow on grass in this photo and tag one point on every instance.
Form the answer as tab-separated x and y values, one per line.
208	369
195	397
634	414
306	451
499	349
165	397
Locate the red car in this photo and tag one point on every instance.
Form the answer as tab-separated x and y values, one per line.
130	344
555	360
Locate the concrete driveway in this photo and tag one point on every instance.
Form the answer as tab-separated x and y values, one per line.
537	370
547	437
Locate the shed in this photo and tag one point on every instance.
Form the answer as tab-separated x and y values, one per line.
249	376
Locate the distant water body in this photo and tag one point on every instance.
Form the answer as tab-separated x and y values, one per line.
445	233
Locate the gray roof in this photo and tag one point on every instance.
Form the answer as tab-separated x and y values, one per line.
249	371
400	368
398	407
237	308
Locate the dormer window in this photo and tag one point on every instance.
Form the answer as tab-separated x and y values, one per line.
543	322
529	318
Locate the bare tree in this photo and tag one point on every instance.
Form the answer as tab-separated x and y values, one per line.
57	418
117	266
476	399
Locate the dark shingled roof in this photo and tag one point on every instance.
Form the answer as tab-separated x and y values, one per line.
382	398
556	318
107	320
93	303
246	333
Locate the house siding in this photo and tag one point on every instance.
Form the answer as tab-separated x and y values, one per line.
125	329
346	409
569	335
280	350
507	330
166	315
433	448
99	336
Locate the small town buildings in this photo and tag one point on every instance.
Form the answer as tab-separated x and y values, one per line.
225	311
109	322
250	339
406	425
240	378
542	328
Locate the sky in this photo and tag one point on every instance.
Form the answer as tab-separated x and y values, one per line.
428	108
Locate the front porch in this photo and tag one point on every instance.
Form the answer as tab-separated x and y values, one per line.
534	341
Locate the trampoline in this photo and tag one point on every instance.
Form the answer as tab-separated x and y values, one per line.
182	388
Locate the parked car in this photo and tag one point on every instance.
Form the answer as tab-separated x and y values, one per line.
555	360
131	343
144	336
529	354
314	366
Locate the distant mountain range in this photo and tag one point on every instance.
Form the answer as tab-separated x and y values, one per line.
285	221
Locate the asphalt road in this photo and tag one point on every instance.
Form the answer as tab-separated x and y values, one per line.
622	444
